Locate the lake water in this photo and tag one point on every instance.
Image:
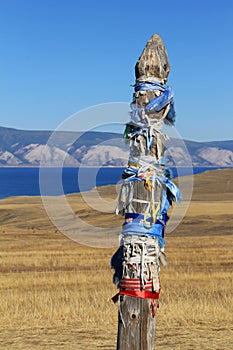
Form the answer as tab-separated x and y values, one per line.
26	181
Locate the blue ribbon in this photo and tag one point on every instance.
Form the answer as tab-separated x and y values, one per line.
161	101
157	103
144	86
137	228
169	194
130	171
174	190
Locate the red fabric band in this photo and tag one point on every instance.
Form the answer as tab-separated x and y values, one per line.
140	294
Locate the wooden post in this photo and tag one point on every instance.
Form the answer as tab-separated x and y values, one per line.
136	316
136	322
140	253
138	332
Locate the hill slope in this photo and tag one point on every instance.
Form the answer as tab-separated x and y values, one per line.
28	148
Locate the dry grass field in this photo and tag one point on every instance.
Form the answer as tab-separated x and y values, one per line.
56	293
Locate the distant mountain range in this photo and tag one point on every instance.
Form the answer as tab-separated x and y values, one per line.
20	148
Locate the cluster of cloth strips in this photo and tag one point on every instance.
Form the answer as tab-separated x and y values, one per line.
136	262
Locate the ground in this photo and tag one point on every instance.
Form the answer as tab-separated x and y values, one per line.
56	293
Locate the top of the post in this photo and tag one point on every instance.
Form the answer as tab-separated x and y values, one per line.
153	63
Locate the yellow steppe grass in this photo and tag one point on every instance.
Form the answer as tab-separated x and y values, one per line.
56	293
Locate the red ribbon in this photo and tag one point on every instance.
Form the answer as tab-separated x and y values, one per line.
140	294
131	288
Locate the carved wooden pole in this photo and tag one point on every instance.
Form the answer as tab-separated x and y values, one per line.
145	196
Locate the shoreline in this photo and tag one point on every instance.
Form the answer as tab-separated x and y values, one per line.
109	167
76	191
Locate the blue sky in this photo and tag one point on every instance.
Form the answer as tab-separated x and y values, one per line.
60	56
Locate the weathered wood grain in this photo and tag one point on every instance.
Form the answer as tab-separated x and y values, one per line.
136	322
136	326
153	64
